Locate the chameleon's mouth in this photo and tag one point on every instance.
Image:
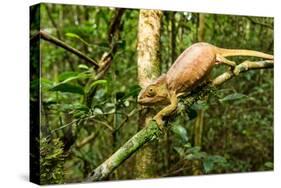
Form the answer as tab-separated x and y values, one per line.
151	101
145	101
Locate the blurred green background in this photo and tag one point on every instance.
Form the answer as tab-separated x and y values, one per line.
238	120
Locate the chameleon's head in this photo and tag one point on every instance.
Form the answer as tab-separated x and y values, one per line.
155	93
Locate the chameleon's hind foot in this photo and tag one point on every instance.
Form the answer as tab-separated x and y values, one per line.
222	59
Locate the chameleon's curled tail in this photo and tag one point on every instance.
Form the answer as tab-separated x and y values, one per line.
237	52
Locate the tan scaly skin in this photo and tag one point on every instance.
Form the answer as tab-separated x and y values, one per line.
189	70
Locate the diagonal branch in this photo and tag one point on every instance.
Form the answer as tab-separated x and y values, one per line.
87	140
44	35
151	131
147	134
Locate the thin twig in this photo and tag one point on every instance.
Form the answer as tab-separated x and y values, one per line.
126	119
103	123
44	35
62	127
86	140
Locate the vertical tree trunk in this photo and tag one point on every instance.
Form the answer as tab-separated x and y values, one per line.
201	27
196	168
172	37
148	70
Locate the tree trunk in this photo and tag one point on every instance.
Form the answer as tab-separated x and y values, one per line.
201	27
196	167
148	70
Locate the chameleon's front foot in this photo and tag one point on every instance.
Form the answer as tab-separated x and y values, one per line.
160	122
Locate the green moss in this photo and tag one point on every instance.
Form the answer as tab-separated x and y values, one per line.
51	161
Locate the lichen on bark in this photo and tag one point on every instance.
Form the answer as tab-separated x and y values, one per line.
148	70
148	46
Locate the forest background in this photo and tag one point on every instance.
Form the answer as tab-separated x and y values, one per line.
238	119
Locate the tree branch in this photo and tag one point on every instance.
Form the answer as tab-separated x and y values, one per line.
87	140
44	35
242	67
152	131
147	134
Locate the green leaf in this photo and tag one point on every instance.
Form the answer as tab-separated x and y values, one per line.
65	87
95	83
181	132
234	96
82	66
195	153
200	105
211	162
208	165
70	76
98	111
72	35
179	150
79	76
65	75
45	83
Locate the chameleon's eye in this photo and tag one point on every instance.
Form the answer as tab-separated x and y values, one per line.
151	92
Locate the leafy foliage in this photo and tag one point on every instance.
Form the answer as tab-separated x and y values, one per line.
238	117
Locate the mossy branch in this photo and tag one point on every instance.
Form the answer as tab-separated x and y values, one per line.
147	134
152	131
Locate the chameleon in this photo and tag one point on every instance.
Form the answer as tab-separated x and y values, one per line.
189	70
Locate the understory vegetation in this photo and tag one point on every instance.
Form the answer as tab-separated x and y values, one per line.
88	112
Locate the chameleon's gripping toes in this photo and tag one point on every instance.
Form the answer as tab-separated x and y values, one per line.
189	70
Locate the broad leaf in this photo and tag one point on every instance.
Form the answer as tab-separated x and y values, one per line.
181	132
84	67
200	105
65	87
234	96
65	75
73	35
95	83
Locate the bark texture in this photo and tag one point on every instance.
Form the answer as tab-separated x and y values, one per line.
148	46
148	70
198	127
